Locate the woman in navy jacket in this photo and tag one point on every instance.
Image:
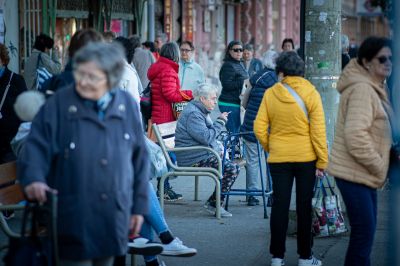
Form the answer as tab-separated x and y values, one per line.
261	81
87	145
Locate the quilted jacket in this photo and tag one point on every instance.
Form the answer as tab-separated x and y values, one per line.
165	90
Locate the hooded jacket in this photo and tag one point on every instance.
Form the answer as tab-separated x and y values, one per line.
165	90
283	129
261	81
360	151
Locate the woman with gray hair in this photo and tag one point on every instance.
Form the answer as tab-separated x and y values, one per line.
195	128
290	126
86	145
260	82
166	90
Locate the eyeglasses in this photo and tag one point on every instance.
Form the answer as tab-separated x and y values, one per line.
90	78
237	50
382	59
186	50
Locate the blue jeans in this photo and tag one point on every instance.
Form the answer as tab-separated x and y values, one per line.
154	220
252	167
361	204
233	124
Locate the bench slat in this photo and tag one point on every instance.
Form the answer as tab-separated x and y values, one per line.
8	172
10	192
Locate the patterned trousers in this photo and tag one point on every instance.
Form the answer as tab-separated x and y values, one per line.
229	175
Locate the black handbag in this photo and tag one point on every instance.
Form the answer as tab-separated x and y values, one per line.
38	247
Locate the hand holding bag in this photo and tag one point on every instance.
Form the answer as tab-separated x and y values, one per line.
178	107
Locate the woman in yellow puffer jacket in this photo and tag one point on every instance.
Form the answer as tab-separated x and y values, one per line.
290	125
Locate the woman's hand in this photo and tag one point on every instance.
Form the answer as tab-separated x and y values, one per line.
37	191
136	223
224	116
320	173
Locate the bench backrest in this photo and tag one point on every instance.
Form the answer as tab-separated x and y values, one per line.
10	190
167	133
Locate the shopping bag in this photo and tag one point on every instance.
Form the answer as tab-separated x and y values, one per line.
328	218
319	223
37	246
178	107
158	164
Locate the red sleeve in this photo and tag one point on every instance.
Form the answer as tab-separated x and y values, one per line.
170	88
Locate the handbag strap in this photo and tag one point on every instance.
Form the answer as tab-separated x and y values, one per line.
6	91
38	60
298	99
319	186
329	186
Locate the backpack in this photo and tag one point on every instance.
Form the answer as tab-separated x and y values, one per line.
145	102
42	74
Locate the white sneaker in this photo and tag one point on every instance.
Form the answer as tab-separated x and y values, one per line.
277	262
142	246
225	213
213	210
177	248
312	261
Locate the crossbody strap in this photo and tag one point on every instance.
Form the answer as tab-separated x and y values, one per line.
298	99
6	91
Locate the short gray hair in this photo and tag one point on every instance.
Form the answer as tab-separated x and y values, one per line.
170	50
108	57
204	90
269	59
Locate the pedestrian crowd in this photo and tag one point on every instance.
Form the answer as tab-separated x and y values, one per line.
78	132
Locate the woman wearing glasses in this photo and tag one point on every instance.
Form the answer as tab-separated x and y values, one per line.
86	144
232	76
191	75
360	152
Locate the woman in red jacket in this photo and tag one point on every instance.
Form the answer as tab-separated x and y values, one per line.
166	90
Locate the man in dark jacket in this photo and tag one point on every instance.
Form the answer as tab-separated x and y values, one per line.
260	82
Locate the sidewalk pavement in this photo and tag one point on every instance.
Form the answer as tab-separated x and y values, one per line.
241	240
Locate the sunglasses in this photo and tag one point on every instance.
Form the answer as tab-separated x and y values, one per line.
382	59
237	50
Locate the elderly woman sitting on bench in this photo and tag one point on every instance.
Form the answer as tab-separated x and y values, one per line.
195	128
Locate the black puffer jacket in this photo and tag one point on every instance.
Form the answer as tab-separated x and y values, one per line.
232	75
261	81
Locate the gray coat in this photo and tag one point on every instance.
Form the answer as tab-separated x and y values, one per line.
52	65
195	128
99	167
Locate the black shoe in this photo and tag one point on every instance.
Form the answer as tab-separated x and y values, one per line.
252	201
170	195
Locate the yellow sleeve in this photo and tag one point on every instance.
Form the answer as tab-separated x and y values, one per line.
261	124
318	131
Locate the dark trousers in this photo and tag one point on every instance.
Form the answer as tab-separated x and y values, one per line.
282	181
361	205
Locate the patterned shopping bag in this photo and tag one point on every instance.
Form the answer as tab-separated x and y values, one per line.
327	213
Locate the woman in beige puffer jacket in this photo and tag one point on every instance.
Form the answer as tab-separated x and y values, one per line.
360	153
